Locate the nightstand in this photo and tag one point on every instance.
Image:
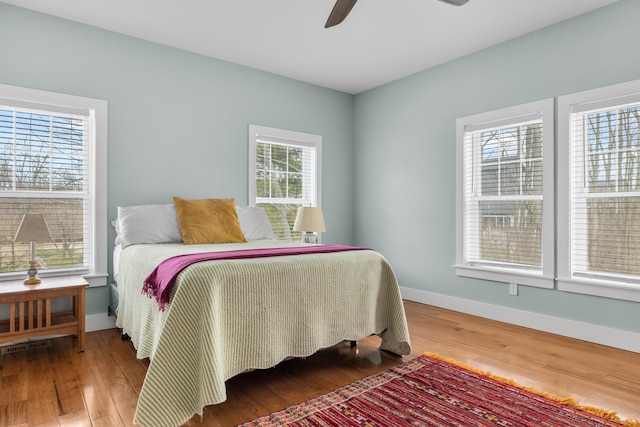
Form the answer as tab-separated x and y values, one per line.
30	312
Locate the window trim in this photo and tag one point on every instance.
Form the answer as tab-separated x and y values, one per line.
617	94
287	136
545	277
97	274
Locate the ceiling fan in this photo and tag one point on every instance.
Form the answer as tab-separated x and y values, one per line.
342	8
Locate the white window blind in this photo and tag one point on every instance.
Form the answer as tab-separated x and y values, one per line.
504	163
603	204
284	175
47	166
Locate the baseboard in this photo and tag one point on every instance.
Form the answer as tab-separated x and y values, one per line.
97	322
617	338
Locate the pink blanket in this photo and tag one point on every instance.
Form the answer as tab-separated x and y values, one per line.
158	284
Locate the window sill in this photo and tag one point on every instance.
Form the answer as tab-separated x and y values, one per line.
94	280
506	275
601	288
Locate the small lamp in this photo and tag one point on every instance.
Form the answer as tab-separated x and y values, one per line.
310	221
33	228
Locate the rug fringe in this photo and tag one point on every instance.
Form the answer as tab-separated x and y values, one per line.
603	413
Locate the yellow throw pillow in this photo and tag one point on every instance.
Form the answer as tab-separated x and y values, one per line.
208	221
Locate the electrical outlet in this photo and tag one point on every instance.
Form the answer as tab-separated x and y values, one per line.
513	289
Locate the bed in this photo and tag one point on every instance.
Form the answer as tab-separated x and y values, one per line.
224	317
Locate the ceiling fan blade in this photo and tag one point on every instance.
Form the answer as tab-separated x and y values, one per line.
456	2
340	11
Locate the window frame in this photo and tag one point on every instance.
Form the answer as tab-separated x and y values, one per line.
96	273
287	137
608	96
545	276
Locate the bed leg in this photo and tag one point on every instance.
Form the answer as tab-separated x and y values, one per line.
353	344
125	337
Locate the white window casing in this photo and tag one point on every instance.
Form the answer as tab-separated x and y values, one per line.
284	173
599	192
53	160
505	195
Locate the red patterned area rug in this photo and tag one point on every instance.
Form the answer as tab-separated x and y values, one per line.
433	391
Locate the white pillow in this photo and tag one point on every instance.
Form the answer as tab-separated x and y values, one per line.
254	223
147	224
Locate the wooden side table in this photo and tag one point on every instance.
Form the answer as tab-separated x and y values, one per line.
30	309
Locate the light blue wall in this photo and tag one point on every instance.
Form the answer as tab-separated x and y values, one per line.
405	145
178	126
178	121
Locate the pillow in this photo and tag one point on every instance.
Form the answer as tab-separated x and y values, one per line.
116	224
147	224
208	221
254	223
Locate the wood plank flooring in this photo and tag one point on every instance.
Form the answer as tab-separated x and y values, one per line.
57	386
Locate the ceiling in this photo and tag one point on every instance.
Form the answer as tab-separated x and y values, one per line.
380	41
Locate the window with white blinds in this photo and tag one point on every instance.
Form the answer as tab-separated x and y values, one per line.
505	195
284	174
601	238
47	167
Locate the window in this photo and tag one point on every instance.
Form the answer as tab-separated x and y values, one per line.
53	161
505	187
284	174
599	192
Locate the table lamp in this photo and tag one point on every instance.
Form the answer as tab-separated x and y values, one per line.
33	228
309	221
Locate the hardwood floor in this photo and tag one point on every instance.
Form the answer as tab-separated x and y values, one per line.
59	386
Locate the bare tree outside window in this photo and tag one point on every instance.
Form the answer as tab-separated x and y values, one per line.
611	144
511	173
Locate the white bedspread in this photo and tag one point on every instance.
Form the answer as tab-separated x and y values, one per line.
226	317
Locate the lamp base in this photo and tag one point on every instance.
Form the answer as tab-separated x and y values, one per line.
309	237
32	274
